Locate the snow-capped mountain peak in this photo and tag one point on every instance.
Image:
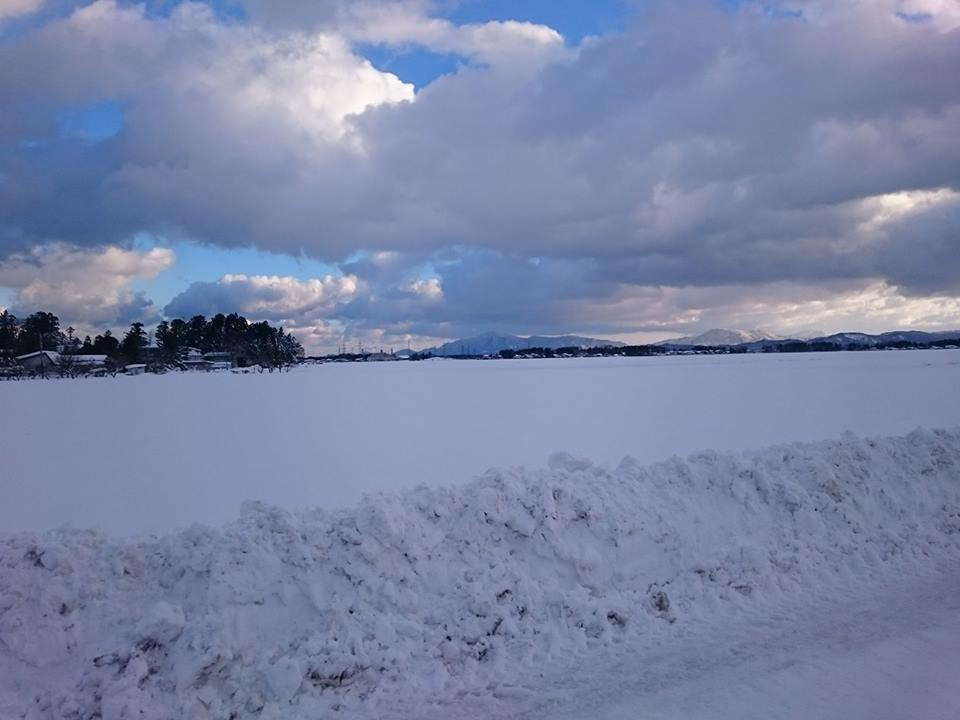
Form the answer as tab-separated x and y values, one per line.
491	343
722	337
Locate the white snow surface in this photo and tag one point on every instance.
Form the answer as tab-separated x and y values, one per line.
154	453
475	600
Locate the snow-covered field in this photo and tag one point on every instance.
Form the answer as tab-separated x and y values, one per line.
153	453
815	579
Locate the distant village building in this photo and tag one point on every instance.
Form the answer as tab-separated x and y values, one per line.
39	361
197	364
233	358
219	357
48	360
247	369
87	364
193	359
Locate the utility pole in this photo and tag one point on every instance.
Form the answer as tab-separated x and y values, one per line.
43	357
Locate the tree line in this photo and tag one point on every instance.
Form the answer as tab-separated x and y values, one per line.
256	343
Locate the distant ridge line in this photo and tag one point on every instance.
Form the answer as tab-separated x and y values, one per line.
492	343
739	338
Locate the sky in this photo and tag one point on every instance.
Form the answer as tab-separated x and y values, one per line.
398	172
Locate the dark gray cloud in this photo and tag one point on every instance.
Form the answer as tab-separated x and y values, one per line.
700	148
922	254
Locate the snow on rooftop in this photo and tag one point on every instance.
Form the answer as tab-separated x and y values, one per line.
53	355
56	357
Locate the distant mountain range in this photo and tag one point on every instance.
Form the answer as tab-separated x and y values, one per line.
492	343
718	337
758	339
848	339
750	340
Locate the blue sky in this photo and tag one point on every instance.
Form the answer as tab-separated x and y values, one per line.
574	19
91	123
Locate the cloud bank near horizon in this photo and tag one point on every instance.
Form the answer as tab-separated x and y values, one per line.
791	165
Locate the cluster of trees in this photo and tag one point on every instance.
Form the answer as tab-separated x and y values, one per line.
574	351
825	346
260	343
255	343
40	331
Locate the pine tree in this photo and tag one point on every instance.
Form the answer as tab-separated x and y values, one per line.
133	343
40	331
72	343
194	331
106	344
9	330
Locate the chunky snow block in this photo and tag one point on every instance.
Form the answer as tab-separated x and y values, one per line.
451	591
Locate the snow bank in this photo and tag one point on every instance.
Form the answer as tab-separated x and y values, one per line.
442	595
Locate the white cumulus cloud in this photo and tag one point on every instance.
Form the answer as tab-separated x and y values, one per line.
271	297
86	288
18	8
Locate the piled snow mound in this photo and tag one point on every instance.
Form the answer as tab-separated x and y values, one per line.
452	593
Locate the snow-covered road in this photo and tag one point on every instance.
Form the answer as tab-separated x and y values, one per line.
889	650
